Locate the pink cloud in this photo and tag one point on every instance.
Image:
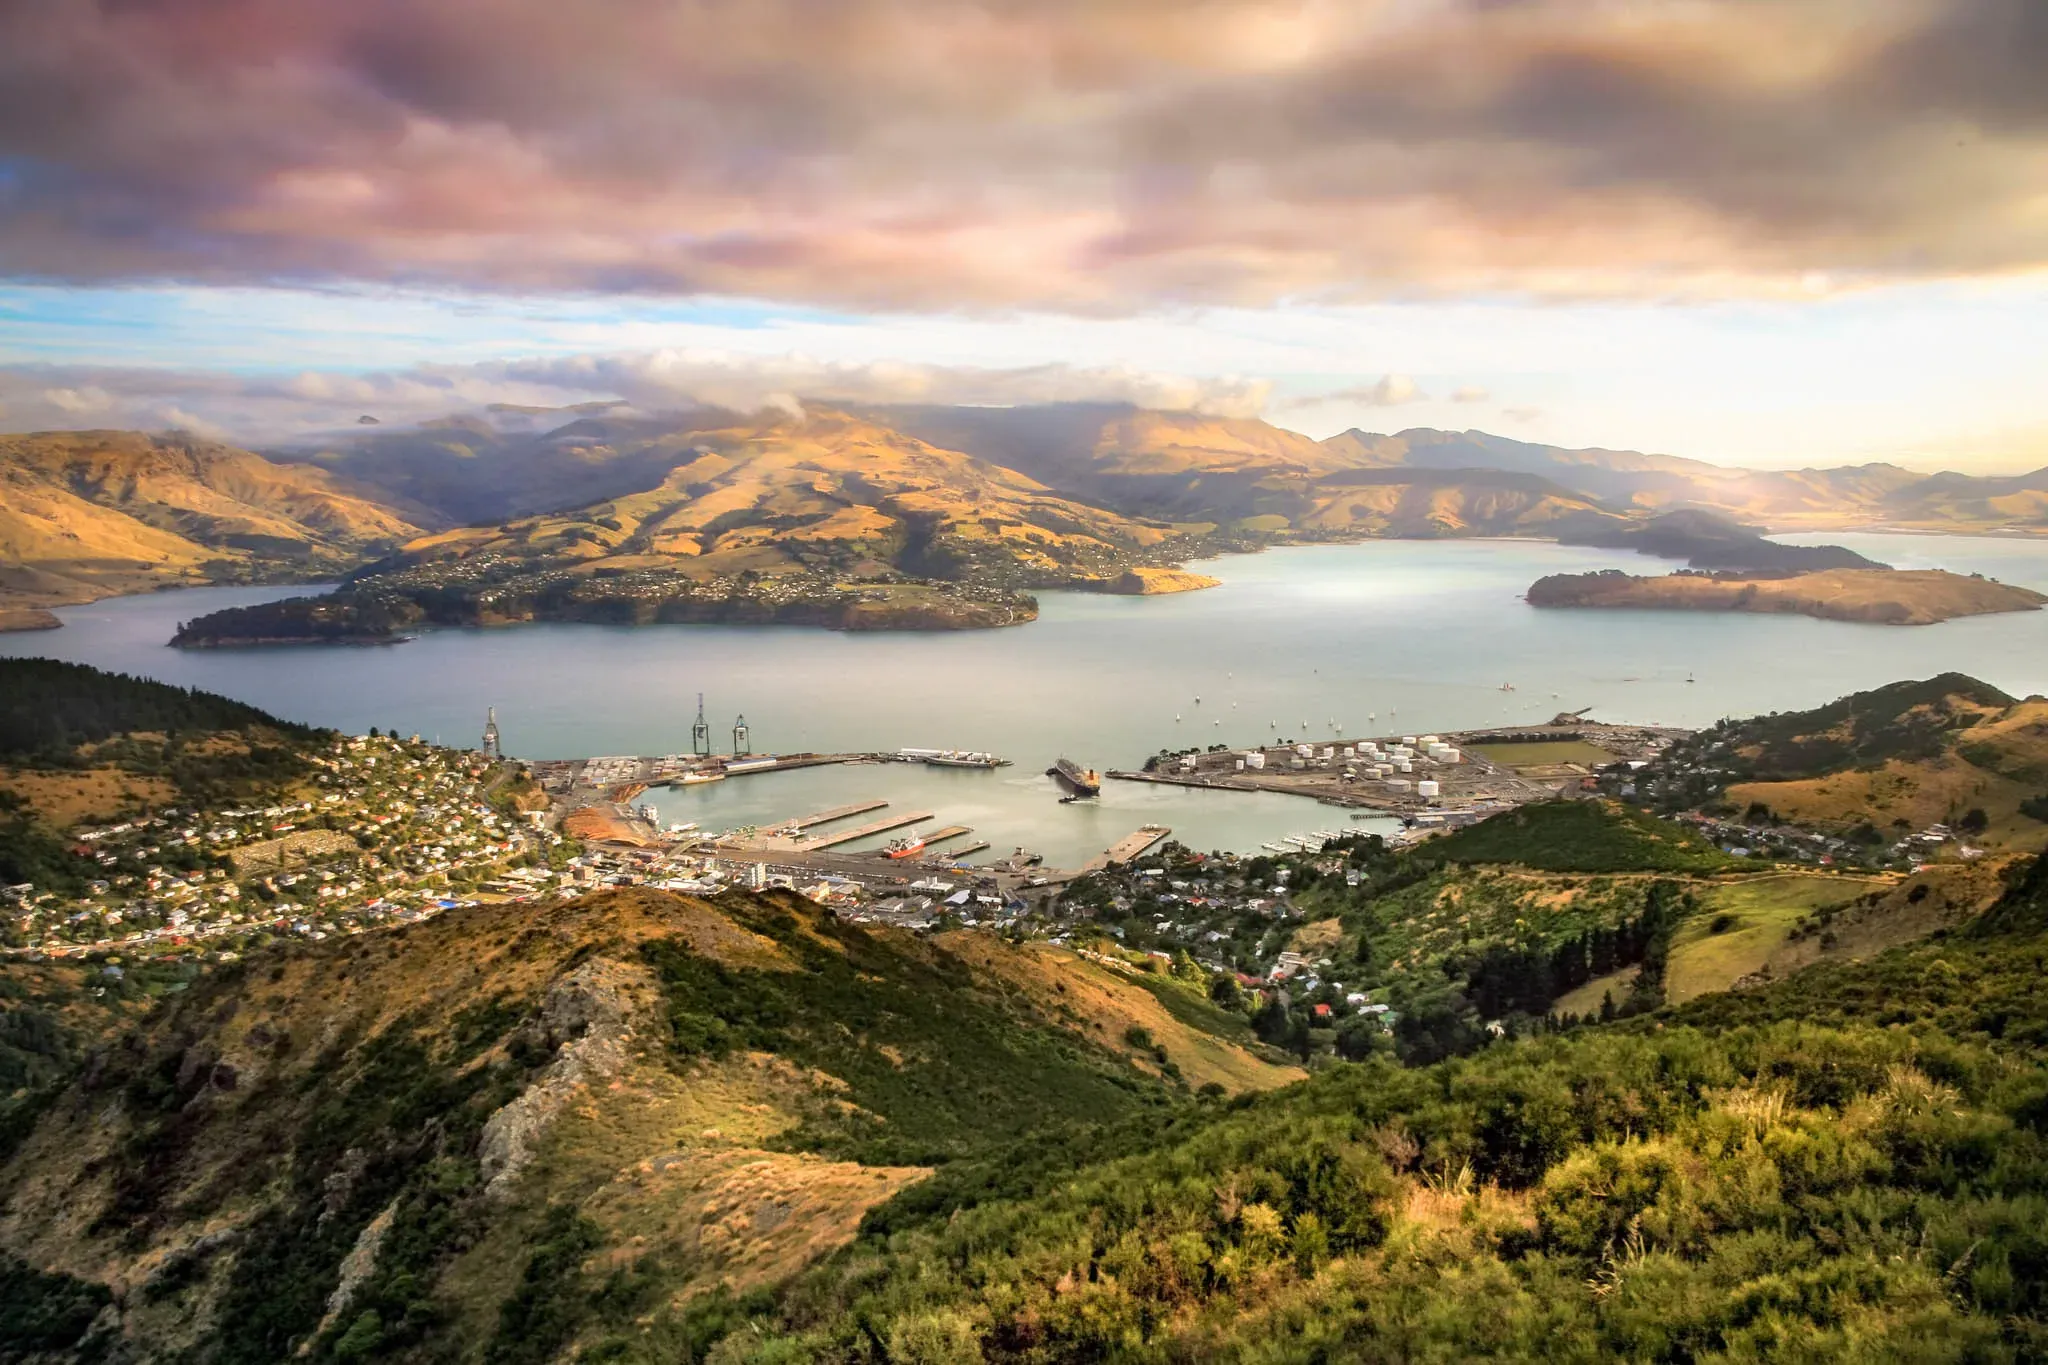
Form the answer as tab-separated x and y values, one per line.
1050	153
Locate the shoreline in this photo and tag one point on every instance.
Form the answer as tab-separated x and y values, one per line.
322	586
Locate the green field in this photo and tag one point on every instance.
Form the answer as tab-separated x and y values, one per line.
1545	753
1585	1001
1765	910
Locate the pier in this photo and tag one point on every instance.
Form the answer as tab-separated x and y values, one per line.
1126	848
881	826
826	817
949	832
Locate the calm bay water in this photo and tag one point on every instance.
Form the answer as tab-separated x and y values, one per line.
1387	636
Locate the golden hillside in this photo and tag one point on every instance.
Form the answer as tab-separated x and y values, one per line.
1896	597
1993	759
91	513
824	493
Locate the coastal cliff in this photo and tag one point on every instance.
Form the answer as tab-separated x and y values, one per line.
1897	597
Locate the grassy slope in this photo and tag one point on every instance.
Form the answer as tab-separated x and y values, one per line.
1763	912
1920	760
1850	1166
709	1096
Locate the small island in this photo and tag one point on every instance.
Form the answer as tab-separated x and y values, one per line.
383	610
1893	597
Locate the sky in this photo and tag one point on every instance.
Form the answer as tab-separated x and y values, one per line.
1769	232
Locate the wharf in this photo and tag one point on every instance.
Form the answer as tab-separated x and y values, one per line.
949	832
1127	848
826	817
1285	783
565	779
881	826
956	854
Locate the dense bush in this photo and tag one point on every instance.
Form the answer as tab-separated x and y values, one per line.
48	708
1851	1165
1580	836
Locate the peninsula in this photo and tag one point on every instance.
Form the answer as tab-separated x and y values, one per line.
1895	597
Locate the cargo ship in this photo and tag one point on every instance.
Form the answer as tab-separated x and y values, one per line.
908	846
1077	779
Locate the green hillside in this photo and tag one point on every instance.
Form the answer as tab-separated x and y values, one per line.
1580	836
1851	1166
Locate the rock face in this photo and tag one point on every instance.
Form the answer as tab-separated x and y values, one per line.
589	1015
1894	597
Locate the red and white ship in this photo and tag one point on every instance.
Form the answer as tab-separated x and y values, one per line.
908	846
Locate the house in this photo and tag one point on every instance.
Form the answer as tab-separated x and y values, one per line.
1321	1013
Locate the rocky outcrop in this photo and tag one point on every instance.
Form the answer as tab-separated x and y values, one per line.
588	1017
356	1268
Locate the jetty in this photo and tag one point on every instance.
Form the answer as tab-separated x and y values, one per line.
1126	848
826	817
881	826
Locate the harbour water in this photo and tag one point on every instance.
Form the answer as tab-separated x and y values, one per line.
1379	637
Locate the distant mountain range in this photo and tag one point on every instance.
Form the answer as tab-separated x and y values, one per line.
1024	496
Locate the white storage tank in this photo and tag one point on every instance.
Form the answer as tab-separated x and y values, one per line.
1404	766
1428	787
1450	755
1297	763
1350	752
1254	761
1399	784
1327	754
1240	764
1428	741
1408	740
